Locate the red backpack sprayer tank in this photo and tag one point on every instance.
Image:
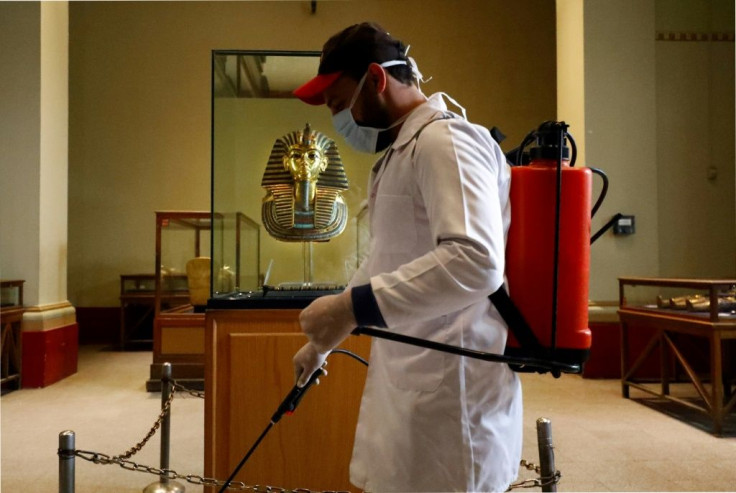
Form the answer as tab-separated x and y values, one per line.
548	249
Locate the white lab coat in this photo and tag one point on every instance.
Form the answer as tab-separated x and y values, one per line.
431	421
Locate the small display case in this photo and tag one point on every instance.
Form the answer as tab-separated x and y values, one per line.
11	293
137	283
688	327
708	299
184	280
181	236
11	316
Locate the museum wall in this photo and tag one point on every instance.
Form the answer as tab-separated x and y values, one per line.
695	138
620	136
656	116
661	125
140	99
20	130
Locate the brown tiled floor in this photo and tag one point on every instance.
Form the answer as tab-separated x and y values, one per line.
602	441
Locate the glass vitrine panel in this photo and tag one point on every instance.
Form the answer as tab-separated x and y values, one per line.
11	293
181	238
253	108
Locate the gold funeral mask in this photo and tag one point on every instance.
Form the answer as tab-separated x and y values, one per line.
304	179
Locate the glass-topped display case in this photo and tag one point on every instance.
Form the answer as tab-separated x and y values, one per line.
697	299
11	316
280	162
181	236
11	293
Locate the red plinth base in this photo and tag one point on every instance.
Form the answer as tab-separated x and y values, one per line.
49	355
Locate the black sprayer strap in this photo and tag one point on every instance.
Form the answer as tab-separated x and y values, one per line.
515	320
518	361
500	299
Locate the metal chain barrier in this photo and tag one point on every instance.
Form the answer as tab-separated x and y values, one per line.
195	393
156	425
541	481
100	458
67	451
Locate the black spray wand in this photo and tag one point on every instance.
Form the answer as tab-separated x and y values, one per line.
288	406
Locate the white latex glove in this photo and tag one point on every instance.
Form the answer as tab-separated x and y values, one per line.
306	361
328	320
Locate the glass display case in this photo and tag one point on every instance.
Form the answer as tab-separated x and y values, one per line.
11	316
279	162
11	293
256	124
690	329
697	299
184	279
181	236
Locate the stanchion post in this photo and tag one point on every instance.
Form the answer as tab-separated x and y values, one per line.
66	462
546	454
166	389
164	485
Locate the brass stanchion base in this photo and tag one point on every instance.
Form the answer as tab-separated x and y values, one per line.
168	487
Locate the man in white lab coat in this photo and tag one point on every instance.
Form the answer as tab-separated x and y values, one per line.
439	216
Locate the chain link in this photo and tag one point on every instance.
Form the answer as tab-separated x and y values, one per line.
164	410
535	482
196	393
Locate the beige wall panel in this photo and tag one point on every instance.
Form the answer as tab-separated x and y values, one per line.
695	139
140	99
20	128
620	136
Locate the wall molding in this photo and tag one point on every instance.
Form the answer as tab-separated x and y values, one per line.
723	37
47	317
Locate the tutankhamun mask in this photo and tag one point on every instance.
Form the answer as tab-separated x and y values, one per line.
304	179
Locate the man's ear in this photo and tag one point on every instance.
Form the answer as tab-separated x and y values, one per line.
379	76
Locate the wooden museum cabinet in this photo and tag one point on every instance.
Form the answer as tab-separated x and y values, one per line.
248	372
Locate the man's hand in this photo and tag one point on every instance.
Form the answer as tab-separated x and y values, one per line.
328	320
306	361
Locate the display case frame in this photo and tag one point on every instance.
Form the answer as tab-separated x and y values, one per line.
178	330
672	331
178	325
11	317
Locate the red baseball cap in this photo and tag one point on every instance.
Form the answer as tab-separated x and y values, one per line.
350	51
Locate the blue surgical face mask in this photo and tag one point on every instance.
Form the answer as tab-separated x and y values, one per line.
362	138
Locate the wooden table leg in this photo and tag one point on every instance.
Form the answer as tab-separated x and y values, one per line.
664	365
624	359
716	376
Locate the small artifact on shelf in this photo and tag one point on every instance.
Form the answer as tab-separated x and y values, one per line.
725	304
198	280
679	302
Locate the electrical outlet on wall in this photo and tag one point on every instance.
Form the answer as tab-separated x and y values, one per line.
624	225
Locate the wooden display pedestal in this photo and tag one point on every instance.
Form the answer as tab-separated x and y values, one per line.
178	340
248	372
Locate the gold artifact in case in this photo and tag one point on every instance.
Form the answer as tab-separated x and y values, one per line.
304	180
